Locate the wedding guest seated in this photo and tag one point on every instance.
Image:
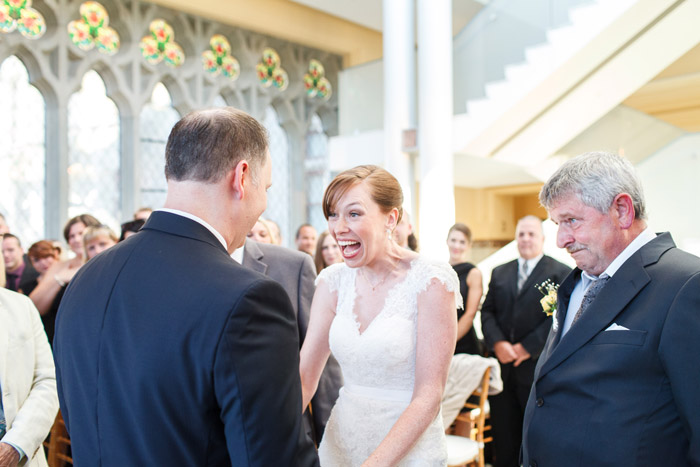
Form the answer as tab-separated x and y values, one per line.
261	232
48	293
98	239
129	228
18	270
327	252
42	254
29	402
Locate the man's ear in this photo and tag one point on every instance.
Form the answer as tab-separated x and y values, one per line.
238	179
623	208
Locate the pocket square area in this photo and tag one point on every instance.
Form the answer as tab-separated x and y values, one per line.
616	327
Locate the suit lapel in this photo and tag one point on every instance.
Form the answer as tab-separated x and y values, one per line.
253	257
512	275
624	285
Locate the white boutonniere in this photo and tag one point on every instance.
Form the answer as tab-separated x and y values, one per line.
549	301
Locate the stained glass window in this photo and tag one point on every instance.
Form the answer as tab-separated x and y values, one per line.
317	174
93	153
22	152
278	194
157	119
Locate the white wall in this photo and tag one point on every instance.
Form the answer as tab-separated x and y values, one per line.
671	180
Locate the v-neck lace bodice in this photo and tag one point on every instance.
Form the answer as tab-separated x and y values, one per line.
379	365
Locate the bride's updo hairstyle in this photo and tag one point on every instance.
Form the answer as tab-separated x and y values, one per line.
383	187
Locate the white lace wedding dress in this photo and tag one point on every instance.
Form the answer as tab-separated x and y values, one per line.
379	368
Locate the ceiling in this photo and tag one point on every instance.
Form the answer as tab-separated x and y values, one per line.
674	95
368	13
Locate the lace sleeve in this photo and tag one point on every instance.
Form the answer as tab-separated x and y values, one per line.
331	276
444	273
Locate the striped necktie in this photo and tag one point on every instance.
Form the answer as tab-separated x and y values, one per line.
522	275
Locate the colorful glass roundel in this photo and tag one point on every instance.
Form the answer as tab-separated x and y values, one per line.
19	15
315	83
92	29
270	71
160	45
218	59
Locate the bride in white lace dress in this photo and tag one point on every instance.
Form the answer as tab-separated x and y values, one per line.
388	316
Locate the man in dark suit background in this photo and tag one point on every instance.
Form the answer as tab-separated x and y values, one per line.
617	383
295	271
167	351
19	271
515	328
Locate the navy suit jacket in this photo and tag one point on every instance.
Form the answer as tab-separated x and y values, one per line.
623	397
168	352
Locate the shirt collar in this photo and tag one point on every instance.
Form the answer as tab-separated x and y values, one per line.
199	221
237	254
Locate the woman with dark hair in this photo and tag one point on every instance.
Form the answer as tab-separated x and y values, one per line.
129	228
327	252
388	316
48	293
459	242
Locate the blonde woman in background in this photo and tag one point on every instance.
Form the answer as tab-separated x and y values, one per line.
98	239
261	232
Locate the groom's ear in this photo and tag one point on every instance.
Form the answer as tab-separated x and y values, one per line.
239	179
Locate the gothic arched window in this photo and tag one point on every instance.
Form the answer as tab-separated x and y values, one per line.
157	119
22	152
278	195
317	173
93	153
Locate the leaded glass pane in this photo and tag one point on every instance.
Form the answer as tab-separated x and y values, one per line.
22	154
278	194
219	101
157	119
93	153
317	174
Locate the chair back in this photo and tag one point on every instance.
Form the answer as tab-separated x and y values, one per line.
59	453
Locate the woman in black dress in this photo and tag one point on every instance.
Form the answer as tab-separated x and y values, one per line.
459	241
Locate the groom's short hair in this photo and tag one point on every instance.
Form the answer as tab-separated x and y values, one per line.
206	144
596	178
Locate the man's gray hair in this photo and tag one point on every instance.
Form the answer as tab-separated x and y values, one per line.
596	178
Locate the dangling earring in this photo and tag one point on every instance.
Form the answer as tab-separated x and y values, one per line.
388	232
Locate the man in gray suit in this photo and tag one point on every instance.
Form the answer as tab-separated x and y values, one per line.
296	273
617	382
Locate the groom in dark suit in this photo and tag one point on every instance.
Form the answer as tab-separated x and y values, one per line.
617	383
515	329
167	351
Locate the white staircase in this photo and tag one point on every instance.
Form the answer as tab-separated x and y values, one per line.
586	23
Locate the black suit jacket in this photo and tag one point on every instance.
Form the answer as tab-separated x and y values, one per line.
623	398
168	352
513	316
296	273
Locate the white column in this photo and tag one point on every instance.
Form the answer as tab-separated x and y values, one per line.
437	203
399	89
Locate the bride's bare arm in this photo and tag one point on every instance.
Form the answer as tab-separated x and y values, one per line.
315	351
435	343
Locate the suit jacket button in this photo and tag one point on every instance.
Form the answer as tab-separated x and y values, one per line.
539	402
533	464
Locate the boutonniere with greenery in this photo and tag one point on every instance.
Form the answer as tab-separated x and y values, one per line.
549	301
